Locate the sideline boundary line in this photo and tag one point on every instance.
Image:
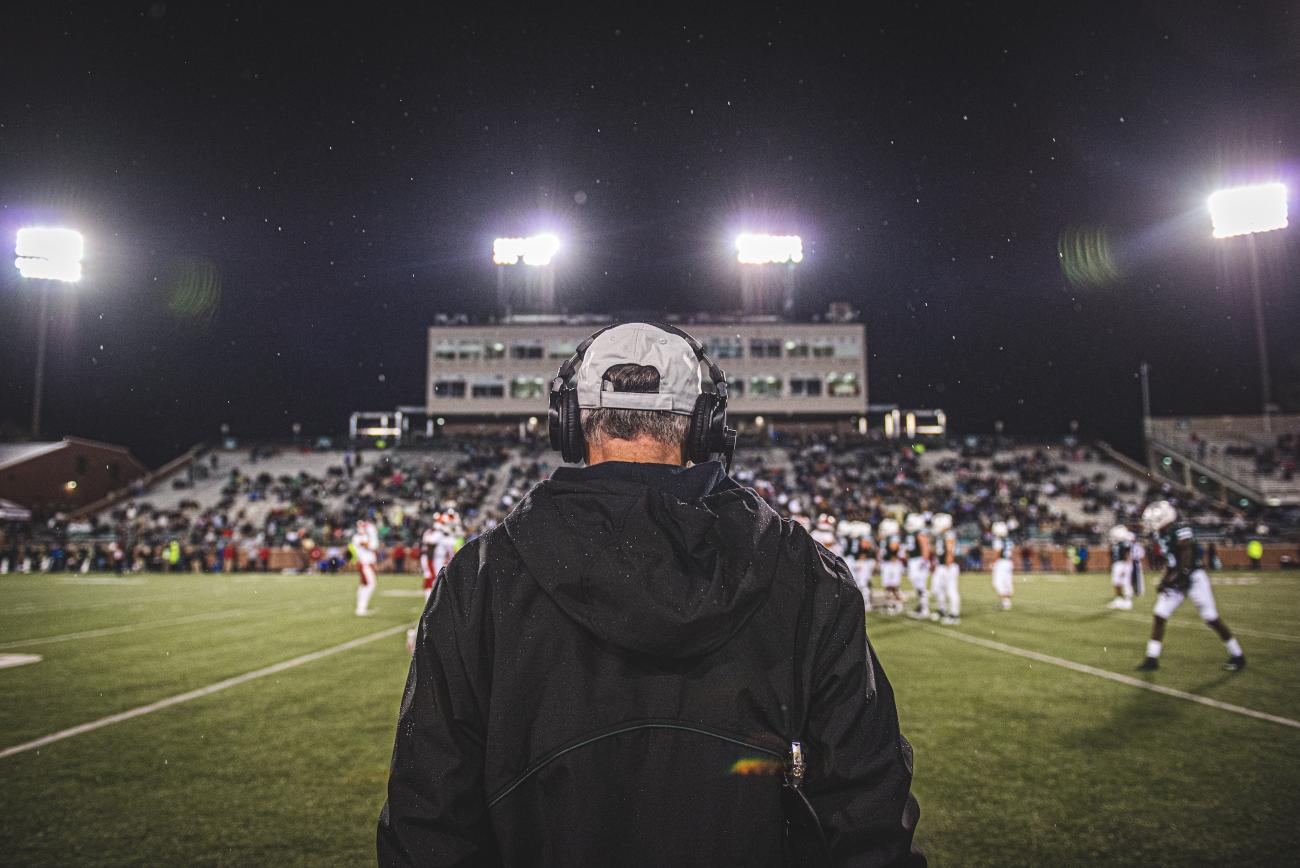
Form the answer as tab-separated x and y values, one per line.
199	693
1113	676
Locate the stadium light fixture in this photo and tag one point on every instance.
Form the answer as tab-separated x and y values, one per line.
760	249
45	253
535	250
1247	210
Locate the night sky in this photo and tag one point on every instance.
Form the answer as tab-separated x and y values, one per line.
277	203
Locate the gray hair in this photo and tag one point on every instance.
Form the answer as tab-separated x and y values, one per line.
605	423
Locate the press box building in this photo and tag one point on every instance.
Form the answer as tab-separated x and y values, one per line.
775	369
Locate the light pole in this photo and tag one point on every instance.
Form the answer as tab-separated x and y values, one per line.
1249	211
757	253
46	254
536	253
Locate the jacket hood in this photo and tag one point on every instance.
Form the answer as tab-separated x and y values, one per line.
663	561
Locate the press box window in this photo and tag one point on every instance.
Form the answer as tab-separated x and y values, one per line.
765	348
494	350
725	348
805	387
444	351
488	390
765	387
560	349
527	387
796	349
526	351
449	389
843	385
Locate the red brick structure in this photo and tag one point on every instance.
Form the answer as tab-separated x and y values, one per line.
64	474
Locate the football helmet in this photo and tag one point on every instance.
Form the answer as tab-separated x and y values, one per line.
1158	516
888	527
1120	534
1000	529
941	522
914	523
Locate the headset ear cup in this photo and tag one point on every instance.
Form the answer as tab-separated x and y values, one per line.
553	426
574	446
717	427
697	438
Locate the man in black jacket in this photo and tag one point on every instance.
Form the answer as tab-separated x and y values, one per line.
644	664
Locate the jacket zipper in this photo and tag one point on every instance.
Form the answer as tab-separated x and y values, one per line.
555	754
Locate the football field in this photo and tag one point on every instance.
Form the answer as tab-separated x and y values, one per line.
248	720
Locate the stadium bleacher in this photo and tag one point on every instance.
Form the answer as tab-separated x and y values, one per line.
294	508
1250	455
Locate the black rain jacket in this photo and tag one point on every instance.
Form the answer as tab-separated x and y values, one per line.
613	676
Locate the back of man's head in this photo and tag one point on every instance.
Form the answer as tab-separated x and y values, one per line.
603	426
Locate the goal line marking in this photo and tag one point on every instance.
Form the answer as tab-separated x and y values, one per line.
199	693
1115	676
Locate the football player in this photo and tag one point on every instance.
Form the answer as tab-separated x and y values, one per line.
365	548
917	547
824	533
947	595
866	560
430	540
891	565
855	555
439	543
1139	555
1003	550
1184	577
1121	567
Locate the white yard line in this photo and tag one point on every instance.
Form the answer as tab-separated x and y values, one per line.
201	692
132	628
9	661
121	598
1114	676
1146	619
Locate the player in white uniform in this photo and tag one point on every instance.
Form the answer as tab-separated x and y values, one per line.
824	533
1184	578
891	565
916	544
855	555
1121	567
430	542
1003	564
866	560
437	545
947	594
365	548
1139	554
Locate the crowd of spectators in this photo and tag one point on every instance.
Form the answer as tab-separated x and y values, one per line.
261	521
1278	460
303	522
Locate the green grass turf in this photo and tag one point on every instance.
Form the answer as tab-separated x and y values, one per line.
1017	762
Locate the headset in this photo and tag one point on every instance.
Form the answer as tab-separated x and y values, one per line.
708	436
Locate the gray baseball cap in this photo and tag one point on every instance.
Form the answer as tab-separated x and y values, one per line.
680	372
